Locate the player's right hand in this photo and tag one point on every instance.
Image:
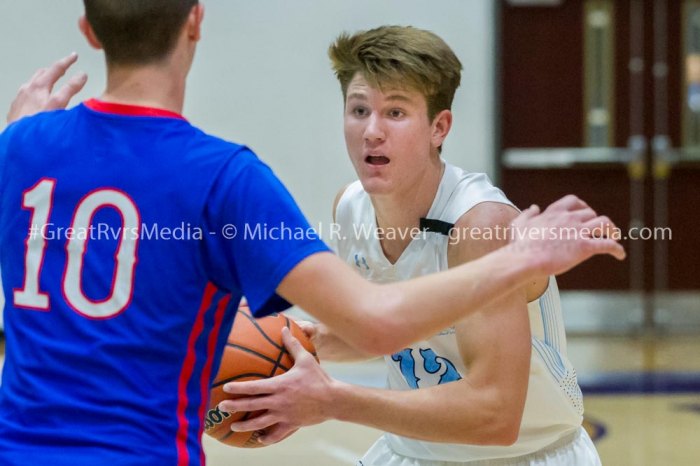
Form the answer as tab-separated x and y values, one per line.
567	233
302	396
37	94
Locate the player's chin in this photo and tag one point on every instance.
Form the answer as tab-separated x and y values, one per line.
376	185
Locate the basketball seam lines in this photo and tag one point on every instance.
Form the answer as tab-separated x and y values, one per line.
255	353
281	353
262	332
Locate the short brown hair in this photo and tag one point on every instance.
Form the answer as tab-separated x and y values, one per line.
399	55
137	32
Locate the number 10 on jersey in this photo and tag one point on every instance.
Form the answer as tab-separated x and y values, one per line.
39	201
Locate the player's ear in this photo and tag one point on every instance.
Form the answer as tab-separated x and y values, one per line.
441	127
194	22
89	33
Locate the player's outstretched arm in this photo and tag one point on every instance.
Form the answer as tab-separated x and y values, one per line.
36	95
381	319
483	408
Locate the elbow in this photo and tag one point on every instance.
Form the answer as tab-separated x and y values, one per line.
507	417
370	334
390	336
381	339
501	420
387	333
509	407
506	433
502	430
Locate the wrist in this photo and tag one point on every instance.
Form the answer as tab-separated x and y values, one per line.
339	408
522	262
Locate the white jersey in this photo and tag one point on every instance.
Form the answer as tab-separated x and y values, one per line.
553	408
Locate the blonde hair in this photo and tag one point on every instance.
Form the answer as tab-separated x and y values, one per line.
399	56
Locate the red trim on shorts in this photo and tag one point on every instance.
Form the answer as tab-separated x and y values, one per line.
183	456
130	110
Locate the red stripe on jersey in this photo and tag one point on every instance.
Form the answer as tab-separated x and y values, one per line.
206	373
183	456
130	110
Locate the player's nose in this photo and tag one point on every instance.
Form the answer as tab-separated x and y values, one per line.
374	129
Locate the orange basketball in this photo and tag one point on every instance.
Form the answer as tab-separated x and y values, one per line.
254	350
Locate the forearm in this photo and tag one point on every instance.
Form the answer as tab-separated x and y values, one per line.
482	409
382	319
412	310
330	347
451	413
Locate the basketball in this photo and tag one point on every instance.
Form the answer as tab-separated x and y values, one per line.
254	350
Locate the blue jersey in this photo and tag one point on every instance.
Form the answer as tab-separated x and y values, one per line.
127	238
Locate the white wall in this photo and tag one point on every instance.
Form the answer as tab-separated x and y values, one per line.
262	76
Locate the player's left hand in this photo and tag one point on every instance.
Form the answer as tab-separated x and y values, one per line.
37	94
562	236
300	397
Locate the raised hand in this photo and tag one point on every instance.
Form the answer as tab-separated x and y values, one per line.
37	94
567	233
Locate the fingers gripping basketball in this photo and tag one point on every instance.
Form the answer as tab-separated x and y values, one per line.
254	350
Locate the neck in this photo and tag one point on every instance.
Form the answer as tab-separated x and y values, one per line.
154	85
402	211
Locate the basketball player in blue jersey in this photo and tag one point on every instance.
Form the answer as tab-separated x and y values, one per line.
115	320
496	388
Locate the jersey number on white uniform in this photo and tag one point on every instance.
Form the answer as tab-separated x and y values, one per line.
39	200
432	365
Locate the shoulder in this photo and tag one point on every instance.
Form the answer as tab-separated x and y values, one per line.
39	121
209	145
464	190
338	196
346	197
480	230
239	168
475	182
27	137
488	213
484	229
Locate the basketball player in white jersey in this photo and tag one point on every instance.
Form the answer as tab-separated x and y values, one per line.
495	389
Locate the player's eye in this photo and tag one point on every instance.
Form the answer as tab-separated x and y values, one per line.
396	113
360	111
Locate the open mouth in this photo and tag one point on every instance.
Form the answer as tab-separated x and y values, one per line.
376	160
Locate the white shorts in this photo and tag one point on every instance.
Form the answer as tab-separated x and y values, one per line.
577	452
